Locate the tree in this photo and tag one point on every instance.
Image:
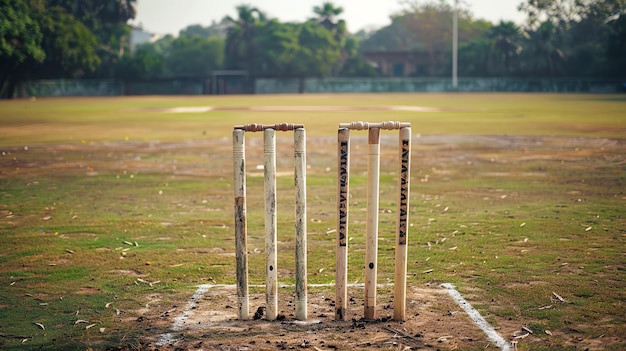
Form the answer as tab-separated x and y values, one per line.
240	38
426	29
214	30
143	64
56	44
194	56
160	47
355	65
319	51
20	41
107	21
555	11
543	54
571	37
279	43
327	17
61	38
71	48
616	46
476	57
506	39
102	17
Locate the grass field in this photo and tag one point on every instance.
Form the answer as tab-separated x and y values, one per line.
113	211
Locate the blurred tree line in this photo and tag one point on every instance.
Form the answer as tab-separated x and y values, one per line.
51	39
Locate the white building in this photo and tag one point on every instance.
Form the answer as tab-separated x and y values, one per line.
139	36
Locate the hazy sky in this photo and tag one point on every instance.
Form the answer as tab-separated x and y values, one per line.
167	16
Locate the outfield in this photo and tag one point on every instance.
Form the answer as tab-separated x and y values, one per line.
114	210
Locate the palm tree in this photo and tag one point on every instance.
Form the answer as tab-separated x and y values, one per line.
240	37
326	15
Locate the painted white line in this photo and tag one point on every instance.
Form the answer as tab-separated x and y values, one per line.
492	335
168	338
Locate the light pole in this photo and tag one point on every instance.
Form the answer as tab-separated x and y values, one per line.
455	46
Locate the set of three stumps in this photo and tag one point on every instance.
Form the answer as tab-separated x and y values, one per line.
343	179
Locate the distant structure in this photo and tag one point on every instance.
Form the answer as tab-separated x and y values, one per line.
140	36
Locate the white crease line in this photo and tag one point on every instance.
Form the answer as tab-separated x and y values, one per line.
168	338
492	335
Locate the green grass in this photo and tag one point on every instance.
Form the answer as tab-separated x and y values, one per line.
509	221
87	120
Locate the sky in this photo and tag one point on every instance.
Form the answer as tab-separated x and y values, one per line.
169	17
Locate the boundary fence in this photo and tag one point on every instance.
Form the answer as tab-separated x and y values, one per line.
234	85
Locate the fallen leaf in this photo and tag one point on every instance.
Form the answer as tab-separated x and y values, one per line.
128	243
548	332
90	326
40	326
81	321
521	336
107	305
428	271
558	297
102	330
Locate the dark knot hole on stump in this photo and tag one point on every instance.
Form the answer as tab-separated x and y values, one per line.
271	268
371	265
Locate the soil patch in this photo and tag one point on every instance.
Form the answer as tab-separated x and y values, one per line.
434	322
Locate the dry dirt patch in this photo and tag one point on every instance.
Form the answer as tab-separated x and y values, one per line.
434	322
